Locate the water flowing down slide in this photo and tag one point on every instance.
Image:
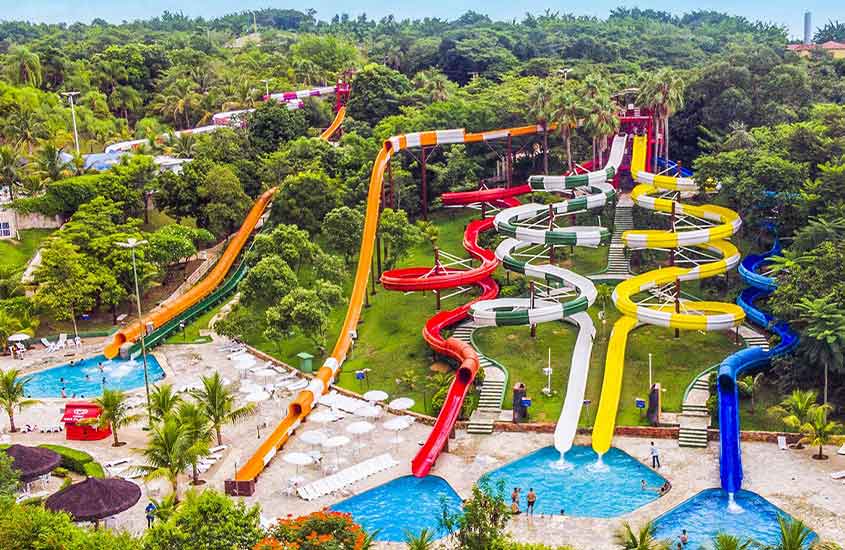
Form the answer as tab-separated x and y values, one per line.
748	360
171	308
246	476
706	228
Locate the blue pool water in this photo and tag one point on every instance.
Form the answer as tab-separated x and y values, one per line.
706	514
580	489
405	504
119	374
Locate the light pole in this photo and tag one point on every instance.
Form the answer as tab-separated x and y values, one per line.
133	243
649	372
70	96
266	87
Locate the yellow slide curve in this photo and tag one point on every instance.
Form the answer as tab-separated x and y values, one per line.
338	120
692	315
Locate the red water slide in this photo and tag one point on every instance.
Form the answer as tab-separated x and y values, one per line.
439	278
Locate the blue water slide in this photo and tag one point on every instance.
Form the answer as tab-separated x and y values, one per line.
747	360
663	164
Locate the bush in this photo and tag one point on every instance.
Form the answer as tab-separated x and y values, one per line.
77	461
93	469
320	530
61	472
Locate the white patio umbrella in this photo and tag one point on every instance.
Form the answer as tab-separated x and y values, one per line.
368	411
314	437
375	396
242	368
266	373
322	417
360	428
336	442
401	404
397	425
18	337
247	359
257	397
298	459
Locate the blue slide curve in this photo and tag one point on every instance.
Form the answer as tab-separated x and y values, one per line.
672	166
747	360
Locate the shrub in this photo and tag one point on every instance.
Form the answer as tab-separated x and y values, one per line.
323	530
61	472
77	461
93	469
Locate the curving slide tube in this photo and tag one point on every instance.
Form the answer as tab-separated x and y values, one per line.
716	225
246	476
747	360
518	311
172	308
333	127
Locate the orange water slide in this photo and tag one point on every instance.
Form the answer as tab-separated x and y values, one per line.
333	127
172	308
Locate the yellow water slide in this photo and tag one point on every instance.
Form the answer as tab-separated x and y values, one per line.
338	120
710	228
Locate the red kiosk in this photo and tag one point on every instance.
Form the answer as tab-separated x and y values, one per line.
79	420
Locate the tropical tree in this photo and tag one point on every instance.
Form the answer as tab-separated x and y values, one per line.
423	541
11	167
125	99
115	412
642	539
567	113
540	102
748	385
818	429
724	541
794	535
663	93
9	324
23	66
218	404
13	395
163	401
27	125
198	428
168	453
825	326
48	163
601	123
794	410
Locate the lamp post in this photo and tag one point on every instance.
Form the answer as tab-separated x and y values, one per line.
266	88
70	96
650	383
133	243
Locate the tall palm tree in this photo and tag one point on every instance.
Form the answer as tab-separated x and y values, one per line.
749	385
818	429
643	539
125	99
663	93
794	535
13	395
218	404
724	541
795	409
23	67
115	412
433	83
168	453
163	401
567	113
48	163
825	327
601	122
10	323
198	429
26	125
540	103
11	167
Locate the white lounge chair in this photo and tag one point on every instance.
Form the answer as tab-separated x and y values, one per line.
841	450
838	475
782	443
48	345
62	341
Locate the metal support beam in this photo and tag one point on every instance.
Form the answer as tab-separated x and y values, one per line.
424	189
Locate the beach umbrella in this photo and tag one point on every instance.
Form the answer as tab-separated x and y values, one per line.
314	437
95	498
266	373
375	396
322	417
32	462
257	397
360	428
401	404
336	442
298	459
18	337
368	411
242	368
397	425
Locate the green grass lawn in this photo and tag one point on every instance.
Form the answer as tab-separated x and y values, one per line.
191	334
14	254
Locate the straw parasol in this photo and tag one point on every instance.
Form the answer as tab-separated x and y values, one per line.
95	499
32	462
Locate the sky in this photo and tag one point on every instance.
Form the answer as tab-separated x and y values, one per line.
785	12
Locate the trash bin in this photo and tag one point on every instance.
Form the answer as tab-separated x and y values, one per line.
305	362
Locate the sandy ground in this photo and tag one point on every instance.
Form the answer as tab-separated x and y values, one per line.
791	479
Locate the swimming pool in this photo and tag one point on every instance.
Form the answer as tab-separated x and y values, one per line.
706	514
405	504
84	379
580	489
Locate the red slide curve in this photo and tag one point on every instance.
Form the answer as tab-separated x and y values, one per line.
425	278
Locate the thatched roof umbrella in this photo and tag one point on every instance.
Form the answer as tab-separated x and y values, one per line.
32	462
95	499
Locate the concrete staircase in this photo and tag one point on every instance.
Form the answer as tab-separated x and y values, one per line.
492	391
623	220
695	418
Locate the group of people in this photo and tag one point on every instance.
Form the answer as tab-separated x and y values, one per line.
530	499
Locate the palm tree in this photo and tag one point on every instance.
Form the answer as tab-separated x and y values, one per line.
433	83
825	327
27	125
48	164
11	165
13	395
193	420
663	93
218	404
23	67
567	113
818	429
168	453
724	541
601	123
115	412
163	401
818	230
423	541
540	104
789	260
749	384
125	99
794	535
182	146
643	539
795	409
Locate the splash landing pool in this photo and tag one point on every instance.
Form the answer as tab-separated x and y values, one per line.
83	378
404	505
580	488
706	514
